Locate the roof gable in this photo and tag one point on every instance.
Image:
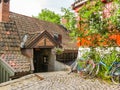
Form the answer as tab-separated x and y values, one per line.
43	39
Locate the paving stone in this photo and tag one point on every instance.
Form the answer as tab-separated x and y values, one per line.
62	81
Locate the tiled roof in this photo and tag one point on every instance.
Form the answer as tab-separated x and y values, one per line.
33	26
10	47
17	62
9	37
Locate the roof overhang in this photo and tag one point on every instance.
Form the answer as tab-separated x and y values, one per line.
42	40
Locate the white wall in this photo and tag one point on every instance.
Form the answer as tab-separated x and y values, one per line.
83	50
51	62
61	66
56	65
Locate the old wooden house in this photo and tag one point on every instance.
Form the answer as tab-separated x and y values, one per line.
29	45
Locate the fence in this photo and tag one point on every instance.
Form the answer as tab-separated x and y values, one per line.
5	72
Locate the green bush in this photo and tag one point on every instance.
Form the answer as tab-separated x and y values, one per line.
108	59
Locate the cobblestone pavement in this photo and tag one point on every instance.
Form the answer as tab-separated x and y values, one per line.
60	81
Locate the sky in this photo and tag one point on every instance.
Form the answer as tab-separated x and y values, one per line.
33	7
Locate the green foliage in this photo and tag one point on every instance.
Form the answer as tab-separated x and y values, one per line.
92	17
115	19
49	16
93	54
59	51
70	17
107	58
87	10
71	20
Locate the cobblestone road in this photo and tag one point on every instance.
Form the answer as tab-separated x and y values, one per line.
61	81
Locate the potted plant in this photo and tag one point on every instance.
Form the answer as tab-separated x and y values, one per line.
59	50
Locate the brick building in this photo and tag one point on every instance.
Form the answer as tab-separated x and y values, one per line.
29	45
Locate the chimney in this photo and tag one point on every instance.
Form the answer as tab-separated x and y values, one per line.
60	38
4	10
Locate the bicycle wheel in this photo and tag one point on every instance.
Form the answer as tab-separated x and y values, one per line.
88	70
115	75
95	71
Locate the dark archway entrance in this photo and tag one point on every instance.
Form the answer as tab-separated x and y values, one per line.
41	59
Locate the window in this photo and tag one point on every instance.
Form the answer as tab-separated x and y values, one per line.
56	36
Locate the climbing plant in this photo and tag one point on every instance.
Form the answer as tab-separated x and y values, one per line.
99	19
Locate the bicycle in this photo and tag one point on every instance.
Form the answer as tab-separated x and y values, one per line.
116	72
113	70
96	68
87	70
84	66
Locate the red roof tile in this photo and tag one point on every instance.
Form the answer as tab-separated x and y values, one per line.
16	61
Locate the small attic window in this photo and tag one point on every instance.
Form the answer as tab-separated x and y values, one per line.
6	1
56	36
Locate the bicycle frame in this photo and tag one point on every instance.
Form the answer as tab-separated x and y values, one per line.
108	68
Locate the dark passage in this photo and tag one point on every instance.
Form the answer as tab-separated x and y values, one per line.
40	61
